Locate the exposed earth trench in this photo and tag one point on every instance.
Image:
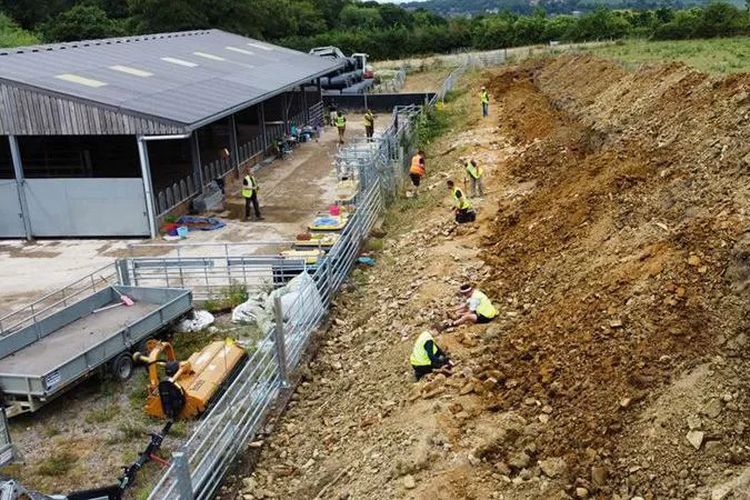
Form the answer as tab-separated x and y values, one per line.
614	241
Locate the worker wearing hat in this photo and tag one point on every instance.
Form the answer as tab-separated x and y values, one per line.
477	309
426	356
485	98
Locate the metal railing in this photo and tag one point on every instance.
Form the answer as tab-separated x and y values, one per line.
198	468
59	299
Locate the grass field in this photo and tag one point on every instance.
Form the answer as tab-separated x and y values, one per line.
718	55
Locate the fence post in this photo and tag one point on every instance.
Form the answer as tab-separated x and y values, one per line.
280	342
182	473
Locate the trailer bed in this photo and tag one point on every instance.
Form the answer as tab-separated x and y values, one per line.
41	360
73	339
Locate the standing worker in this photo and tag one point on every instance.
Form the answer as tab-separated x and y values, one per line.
476	173
461	205
417	170
485	103
341	125
250	193
369	125
426	356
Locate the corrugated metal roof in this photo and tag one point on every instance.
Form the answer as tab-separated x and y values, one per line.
186	78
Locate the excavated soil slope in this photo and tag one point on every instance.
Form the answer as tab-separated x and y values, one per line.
614	241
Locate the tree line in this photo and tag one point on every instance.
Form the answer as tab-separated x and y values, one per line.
385	31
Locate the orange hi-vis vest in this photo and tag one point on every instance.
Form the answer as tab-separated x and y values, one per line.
416	166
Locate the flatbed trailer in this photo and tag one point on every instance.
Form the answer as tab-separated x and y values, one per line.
45	358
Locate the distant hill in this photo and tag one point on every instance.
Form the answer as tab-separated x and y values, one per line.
475	7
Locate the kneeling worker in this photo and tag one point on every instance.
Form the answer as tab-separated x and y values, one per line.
427	356
477	309
461	205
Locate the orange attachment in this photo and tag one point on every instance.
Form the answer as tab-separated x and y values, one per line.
200	378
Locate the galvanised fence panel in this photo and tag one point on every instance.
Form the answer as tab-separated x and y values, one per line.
238	416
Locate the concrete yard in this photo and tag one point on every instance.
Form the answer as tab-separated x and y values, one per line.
291	192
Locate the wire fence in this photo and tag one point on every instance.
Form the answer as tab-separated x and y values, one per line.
236	418
379	166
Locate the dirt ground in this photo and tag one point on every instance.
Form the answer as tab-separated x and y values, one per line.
613	241
104	419
292	191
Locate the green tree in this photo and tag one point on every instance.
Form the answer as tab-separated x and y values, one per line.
31	13
154	16
12	35
601	24
353	17
81	22
721	19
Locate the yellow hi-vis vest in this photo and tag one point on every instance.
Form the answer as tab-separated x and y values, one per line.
475	172
252	186
369	120
485	307
485	97
340	121
419	356
461	203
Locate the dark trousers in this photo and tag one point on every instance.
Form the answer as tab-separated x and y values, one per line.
464	215
369	131
441	361
254	200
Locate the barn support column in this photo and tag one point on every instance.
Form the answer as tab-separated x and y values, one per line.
15	154
263	132
147	188
233	147
285	111
195	155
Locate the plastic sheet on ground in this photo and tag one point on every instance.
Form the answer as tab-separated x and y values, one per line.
195	223
200	321
300	303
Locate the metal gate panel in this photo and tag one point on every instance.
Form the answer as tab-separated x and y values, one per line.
87	207
11	222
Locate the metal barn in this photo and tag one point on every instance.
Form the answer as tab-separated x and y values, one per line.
102	138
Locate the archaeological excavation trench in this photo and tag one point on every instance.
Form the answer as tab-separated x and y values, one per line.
613	239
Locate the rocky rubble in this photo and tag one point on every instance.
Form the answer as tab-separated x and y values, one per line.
613	242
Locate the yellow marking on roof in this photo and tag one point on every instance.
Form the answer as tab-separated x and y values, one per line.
259	46
241	51
208	56
179	62
81	80
131	71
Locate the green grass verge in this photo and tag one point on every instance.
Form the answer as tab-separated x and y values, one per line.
717	55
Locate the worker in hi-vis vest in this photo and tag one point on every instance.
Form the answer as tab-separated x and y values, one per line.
426	356
477	308
461	205
475	173
417	169
369	125
485	98
341	125
250	193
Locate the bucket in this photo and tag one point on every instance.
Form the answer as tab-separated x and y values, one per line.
334	210
182	231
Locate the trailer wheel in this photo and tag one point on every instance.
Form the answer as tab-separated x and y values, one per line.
122	367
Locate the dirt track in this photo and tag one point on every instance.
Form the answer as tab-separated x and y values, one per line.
614	242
